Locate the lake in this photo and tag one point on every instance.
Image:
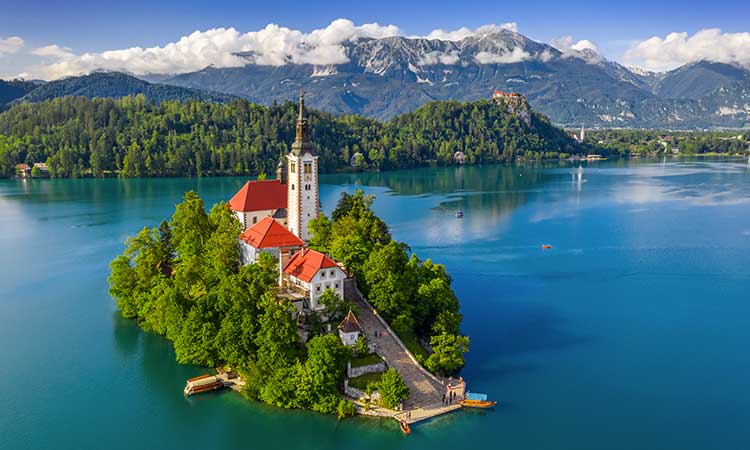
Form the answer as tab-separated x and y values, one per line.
630	333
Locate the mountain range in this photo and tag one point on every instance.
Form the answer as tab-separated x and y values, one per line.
393	75
101	84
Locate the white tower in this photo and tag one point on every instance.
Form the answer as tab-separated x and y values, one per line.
302	183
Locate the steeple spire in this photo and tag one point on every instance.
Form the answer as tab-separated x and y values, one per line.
301	106
302	142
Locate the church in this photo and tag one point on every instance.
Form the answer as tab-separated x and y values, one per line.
275	215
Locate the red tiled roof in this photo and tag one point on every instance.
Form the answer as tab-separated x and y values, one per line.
306	263
269	233
259	196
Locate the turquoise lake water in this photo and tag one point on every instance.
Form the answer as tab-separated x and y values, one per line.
631	333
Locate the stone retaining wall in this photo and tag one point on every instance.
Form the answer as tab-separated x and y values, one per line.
353	372
357	394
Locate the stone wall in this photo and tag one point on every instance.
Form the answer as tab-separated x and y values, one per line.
357	394
353	372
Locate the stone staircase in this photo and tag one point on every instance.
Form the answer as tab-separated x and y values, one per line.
425	391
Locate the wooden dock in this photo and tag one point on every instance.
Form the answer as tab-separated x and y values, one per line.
425	412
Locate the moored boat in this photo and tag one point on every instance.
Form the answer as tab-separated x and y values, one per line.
404	427
459	214
202	383
476	400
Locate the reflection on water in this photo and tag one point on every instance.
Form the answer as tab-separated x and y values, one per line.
649	259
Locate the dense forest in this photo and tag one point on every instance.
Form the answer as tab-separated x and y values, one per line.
183	280
135	137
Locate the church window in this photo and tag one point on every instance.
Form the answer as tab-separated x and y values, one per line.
337	285
292	167
292	186
323	274
308	167
255	219
332	273
317	287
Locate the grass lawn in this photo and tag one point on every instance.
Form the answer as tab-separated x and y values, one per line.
362	381
359	361
412	343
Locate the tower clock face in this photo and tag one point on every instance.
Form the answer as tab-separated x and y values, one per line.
308	177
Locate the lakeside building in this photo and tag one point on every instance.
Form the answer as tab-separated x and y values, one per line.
271	237
275	216
313	272
23	170
258	199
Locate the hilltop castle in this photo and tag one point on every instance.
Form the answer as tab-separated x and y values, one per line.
516	104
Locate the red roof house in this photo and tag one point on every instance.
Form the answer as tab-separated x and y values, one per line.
259	196
314	273
269	233
259	199
305	264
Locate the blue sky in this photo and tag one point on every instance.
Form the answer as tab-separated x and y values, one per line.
94	26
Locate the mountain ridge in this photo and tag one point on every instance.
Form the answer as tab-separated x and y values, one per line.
386	77
572	87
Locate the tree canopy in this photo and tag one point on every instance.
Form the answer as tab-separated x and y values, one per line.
136	137
183	280
414	296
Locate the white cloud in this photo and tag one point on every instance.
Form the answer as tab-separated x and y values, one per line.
432	58
53	51
463	32
273	45
583	49
676	49
515	56
10	45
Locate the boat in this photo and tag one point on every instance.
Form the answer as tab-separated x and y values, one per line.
202	383
476	400
404	427
546	247
459	214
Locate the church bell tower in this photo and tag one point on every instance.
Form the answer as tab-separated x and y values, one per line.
302	181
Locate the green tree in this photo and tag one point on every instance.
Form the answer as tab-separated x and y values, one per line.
392	389
447	353
277	336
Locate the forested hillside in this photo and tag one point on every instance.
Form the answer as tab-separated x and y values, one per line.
136	137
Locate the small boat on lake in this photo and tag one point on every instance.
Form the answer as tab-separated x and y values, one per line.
202	383
459	214
546	247
404	427
476	400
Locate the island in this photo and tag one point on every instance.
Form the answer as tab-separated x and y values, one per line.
313	312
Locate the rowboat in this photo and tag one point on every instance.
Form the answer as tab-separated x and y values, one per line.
546	247
404	427
476	400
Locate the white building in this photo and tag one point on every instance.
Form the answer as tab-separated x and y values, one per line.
349	329
268	236
258	199
302	192
313	272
